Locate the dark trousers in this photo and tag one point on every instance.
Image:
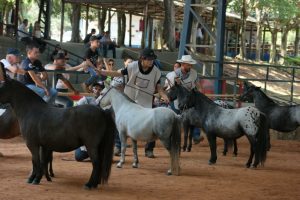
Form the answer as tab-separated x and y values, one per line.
107	47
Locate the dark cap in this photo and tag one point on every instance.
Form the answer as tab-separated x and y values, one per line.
59	55
93	37
148	54
13	51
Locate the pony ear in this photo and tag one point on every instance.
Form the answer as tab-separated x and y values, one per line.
246	85
176	81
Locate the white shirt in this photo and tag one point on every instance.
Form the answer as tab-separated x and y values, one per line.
22	28
6	65
60	84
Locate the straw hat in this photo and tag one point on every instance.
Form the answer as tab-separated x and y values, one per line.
187	59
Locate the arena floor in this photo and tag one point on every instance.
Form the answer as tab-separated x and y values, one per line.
228	179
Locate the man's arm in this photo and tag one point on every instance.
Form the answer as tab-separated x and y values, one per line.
89	63
83	66
162	93
16	70
38	81
110	73
69	85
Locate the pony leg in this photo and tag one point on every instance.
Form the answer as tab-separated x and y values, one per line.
186	133
252	147
123	139
46	156
235	148
213	149
36	173
225	147
190	138
135	155
94	178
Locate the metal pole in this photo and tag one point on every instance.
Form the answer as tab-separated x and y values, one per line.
62	20
130	29
186	29
109	21
220	45
263	42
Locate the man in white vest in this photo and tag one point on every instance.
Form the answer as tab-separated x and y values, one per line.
143	82
188	77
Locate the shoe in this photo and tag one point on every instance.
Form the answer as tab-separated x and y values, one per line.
198	139
117	151
149	154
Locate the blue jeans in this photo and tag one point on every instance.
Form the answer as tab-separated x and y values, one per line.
196	131
80	155
41	92
66	102
94	77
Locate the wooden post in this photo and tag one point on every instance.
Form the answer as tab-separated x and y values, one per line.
250	41
109	21
62	20
263	42
16	17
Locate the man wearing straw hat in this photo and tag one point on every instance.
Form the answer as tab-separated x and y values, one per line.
188	77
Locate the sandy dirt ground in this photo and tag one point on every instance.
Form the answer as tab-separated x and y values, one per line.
228	179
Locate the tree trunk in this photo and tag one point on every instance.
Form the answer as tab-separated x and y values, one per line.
283	45
243	26
101	19
273	46
75	22
297	39
258	34
121	28
169	28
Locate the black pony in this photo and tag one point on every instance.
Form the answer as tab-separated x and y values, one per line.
46	128
225	123
281	118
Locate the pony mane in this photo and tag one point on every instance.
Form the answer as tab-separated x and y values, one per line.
264	95
200	95
125	96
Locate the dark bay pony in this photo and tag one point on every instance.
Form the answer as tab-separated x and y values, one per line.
225	123
281	118
49	128
9	128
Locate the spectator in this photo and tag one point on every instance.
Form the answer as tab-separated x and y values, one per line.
143	81
36	36
177	37
36	74
91	57
23	32
11	63
63	83
81	153
57	47
88	36
188	77
108	44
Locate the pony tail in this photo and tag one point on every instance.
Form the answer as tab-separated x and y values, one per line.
263	136
175	145
106	149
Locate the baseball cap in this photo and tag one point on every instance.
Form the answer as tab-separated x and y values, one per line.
148	54
13	51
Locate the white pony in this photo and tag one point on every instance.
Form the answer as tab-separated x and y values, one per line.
144	124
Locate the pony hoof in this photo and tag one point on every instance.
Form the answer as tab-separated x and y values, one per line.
189	150
248	165
119	165
134	165
49	179
35	182
169	173
211	162
224	154
29	180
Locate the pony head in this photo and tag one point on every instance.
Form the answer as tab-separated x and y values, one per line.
181	94
105	98
247	95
